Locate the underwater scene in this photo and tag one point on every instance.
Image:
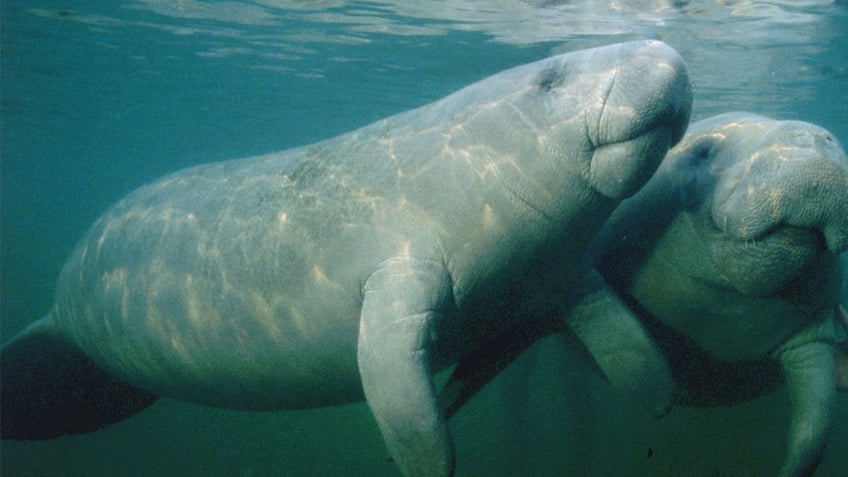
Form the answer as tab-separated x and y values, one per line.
99	98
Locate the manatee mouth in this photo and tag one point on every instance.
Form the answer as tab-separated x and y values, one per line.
753	217
779	260
811	239
784	186
644	109
753	231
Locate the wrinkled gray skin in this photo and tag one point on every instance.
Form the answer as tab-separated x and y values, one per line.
734	246
366	262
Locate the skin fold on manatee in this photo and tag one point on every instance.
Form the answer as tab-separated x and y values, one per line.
351	268
729	258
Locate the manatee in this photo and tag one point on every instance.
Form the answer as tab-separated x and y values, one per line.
352	268
736	244
730	258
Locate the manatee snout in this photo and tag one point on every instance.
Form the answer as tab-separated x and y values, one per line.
650	89
800	180
645	111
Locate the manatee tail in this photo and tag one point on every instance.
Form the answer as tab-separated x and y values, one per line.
49	388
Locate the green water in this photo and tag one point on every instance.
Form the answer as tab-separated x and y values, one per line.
100	97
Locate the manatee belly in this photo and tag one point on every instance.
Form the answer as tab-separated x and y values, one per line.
730	324
234	345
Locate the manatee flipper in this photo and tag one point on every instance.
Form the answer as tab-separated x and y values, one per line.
403	304
48	388
807	361
611	336
621	346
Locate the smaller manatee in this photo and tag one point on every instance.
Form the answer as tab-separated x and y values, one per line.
735	243
729	258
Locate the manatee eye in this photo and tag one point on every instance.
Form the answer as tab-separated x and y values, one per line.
549	79
695	178
700	154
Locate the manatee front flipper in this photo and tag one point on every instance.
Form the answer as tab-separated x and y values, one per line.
48	388
807	361
403	304
621	346
601	324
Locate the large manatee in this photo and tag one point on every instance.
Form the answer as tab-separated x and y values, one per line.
730	258
351	268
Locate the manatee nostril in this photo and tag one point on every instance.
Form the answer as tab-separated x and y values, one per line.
549	79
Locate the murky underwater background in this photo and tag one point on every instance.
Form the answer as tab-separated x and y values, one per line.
100	97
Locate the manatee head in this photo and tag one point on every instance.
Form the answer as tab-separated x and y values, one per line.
599	120
796	177
781	197
636	100
644	110
736	240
